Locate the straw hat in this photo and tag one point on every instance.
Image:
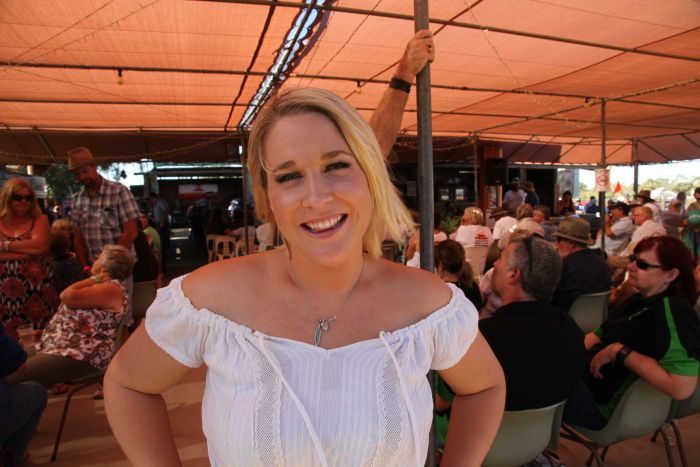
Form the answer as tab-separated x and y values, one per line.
79	157
575	229
646	194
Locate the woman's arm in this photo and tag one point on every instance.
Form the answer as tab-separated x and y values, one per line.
677	386
38	244
477	409
590	340
89	294
137	376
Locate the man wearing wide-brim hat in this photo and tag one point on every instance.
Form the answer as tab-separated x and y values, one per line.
583	270
644	197
104	212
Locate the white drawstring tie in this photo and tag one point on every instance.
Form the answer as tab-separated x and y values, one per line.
300	407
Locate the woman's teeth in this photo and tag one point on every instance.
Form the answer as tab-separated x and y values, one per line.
325	225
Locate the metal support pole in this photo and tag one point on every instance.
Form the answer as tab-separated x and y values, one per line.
244	176
635	164
476	170
601	194
425	183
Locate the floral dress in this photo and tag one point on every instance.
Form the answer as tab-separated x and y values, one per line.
27	294
85	334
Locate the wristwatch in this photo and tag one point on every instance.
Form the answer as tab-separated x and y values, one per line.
400	84
622	354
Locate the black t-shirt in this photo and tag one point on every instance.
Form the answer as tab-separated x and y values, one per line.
541	351
582	272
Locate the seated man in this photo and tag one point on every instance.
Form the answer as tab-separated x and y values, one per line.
541	215
618	229
583	271
643	218
539	347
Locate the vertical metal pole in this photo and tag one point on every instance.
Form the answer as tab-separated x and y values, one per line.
476	169
425	183
244	171
601	194
425	150
635	164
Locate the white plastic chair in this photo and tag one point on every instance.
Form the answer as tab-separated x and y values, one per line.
589	310
224	247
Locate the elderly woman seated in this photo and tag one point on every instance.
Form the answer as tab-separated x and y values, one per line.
472	232
654	335
81	336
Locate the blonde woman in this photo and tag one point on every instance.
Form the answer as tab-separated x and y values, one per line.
27	295
330	368
473	232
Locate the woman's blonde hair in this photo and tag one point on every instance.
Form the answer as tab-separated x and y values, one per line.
389	215
473	215
11	187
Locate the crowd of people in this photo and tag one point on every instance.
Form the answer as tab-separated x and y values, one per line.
330	368
65	290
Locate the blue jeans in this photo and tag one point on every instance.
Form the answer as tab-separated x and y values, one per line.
28	403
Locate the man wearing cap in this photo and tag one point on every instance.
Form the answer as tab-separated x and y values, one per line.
104	212
514	197
644	198
618	229
583	270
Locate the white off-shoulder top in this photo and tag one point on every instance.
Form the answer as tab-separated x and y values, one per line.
271	401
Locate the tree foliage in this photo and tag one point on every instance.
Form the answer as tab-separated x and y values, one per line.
59	183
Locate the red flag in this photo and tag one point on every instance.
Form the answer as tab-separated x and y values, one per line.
618	188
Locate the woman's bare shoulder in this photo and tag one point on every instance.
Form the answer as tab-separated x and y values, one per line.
221	284
415	290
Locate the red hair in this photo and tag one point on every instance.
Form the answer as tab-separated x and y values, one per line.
673	254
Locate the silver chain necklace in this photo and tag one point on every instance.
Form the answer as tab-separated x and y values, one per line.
323	324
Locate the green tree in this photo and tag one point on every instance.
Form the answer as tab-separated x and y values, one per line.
59	183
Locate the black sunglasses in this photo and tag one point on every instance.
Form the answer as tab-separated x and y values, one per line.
17	197
643	265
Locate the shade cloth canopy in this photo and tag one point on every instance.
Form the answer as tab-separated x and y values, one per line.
180	80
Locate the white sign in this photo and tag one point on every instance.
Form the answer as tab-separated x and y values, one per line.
602	179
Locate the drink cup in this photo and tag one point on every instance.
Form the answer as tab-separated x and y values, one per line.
26	335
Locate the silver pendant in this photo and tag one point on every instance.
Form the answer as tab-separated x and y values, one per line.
323	325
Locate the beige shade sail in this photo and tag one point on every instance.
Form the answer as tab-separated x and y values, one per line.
183	80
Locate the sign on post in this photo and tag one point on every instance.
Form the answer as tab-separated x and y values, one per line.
602	180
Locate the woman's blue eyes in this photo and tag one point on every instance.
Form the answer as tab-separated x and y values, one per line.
289	176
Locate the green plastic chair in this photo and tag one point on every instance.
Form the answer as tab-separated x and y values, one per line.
642	410
589	310
680	409
525	434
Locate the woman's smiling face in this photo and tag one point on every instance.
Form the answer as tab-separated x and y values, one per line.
316	188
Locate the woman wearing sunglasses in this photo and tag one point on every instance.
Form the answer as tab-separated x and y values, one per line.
655	335
27	295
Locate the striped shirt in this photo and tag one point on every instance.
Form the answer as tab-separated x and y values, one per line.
100	219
